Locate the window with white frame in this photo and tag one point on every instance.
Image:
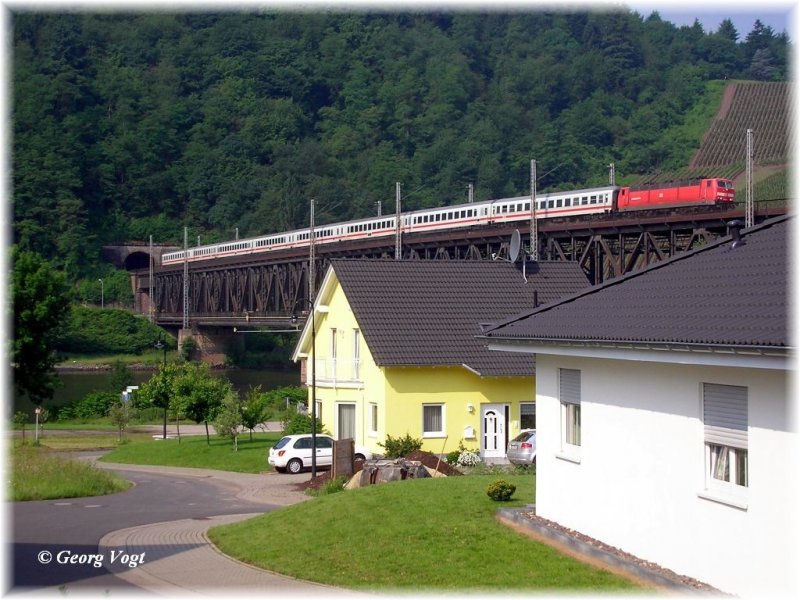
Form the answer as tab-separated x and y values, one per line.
432	420
527	415
373	419
725	424
569	393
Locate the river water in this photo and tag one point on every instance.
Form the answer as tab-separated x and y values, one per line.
76	384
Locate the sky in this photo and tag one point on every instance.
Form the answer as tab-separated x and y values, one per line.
774	13
778	14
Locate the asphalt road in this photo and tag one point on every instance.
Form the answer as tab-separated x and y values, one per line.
70	529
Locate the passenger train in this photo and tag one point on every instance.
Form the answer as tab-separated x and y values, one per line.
601	200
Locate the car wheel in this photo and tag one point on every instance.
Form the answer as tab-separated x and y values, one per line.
294	466
359	458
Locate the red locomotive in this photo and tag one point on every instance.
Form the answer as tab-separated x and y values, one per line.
695	193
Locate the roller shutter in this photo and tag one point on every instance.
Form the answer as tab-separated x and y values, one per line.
725	414
569	386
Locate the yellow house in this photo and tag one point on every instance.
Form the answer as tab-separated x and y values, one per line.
396	350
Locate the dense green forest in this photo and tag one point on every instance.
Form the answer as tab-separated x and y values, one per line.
131	125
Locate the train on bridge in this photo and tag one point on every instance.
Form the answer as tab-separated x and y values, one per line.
593	201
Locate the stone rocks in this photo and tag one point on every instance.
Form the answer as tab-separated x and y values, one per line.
382	471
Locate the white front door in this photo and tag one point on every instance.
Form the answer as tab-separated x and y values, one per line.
493	430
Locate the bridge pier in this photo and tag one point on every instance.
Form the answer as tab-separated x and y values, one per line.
212	344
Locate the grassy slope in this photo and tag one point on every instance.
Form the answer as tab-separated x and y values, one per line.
432	534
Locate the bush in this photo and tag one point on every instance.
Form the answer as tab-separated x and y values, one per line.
275	402
468	459
188	348
452	457
400	447
500	490
92	405
299	423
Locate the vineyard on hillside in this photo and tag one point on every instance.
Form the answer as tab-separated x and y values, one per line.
762	107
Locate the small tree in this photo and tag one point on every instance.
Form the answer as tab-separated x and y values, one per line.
254	410
158	391
228	420
20	418
198	394
121	413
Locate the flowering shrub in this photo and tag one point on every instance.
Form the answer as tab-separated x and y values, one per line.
468	459
501	490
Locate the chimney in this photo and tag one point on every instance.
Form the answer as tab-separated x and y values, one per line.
734	227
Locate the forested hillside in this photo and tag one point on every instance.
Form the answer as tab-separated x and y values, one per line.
131	125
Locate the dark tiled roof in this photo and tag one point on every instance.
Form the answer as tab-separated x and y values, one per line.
428	313
714	296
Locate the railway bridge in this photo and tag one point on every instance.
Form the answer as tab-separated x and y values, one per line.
260	292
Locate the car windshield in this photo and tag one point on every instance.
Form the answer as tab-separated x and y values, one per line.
282	442
525	436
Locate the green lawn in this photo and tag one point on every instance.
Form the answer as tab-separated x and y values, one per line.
38	474
81	442
427	534
192	451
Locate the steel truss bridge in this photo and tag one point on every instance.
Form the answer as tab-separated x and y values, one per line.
262	291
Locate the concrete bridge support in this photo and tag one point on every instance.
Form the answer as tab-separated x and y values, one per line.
212	344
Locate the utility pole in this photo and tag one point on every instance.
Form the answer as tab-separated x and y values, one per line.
612	174
312	285
749	209
151	287
186	278
470	193
534	224
398	243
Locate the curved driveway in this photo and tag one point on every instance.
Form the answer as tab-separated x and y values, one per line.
159	526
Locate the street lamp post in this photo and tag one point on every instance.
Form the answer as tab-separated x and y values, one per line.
313	385
102	293
37	411
159	345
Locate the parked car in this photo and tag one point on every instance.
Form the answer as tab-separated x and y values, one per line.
522	449
293	453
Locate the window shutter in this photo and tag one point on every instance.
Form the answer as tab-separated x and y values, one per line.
725	414
569	386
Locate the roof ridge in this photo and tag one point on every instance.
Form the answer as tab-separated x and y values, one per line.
633	274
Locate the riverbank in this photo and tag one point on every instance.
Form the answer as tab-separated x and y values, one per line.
76	367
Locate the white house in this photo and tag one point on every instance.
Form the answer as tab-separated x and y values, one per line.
665	420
